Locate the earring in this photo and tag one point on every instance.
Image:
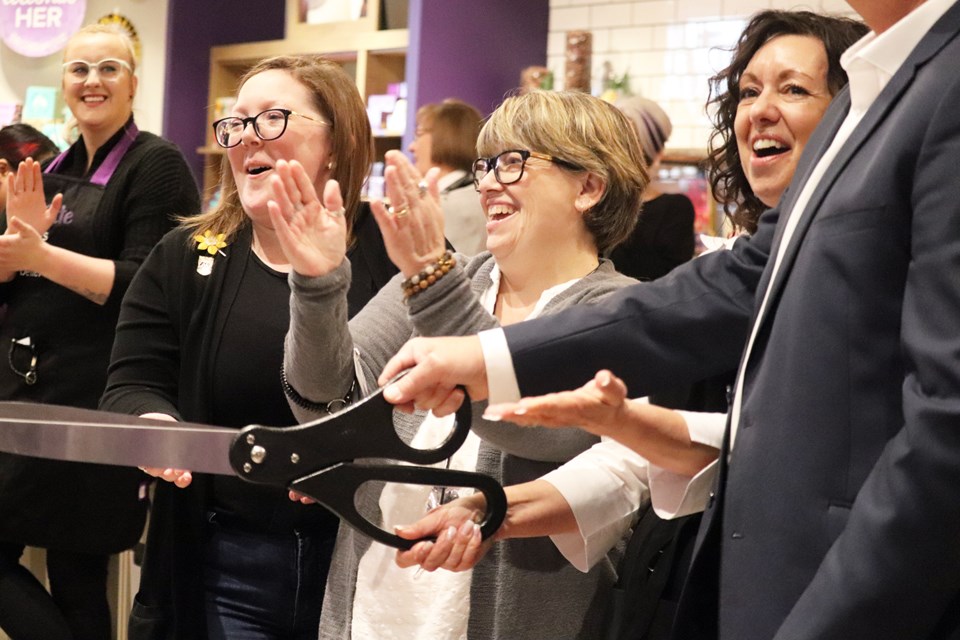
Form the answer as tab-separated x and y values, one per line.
330	166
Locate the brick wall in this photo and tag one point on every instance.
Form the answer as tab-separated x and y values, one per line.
668	48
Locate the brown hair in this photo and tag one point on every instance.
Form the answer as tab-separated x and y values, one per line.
455	126
583	131
730	186
336	98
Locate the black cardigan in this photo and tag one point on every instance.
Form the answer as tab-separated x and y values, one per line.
169	329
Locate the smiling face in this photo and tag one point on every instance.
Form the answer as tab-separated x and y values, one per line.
532	221
100	106
306	141
783	95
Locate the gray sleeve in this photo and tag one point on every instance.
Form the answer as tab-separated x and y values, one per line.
324	354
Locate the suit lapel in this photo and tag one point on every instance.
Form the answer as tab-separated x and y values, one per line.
944	31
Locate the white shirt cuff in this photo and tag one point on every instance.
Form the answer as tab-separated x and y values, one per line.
674	495
501	379
605	486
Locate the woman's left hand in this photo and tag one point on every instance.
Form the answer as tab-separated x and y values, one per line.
412	226
25	198
313	235
21	248
458	545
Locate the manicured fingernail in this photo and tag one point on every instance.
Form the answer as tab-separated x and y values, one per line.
487	415
451	532
519	411
466	529
476	530
391	393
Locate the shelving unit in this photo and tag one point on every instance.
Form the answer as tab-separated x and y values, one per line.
375	57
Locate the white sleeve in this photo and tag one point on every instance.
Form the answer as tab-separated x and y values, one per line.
604	486
674	495
502	382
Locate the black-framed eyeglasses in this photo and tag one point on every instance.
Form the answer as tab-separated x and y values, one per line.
268	125
508	166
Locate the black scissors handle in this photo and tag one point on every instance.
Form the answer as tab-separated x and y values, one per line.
335	488
279	456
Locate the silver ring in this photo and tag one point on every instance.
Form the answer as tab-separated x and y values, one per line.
338	213
422	188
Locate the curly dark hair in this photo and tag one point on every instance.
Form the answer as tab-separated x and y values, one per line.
730	187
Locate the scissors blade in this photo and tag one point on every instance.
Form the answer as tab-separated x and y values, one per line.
84	435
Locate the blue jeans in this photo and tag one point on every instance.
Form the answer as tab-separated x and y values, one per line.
263	586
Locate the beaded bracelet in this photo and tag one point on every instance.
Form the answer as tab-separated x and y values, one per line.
431	273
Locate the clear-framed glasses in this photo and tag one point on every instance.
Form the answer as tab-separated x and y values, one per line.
268	125
508	166
107	69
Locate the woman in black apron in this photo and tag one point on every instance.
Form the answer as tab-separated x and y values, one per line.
64	274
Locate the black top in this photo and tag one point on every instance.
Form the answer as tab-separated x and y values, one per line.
246	390
170	338
662	239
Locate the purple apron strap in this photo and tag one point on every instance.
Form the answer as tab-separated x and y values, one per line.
105	171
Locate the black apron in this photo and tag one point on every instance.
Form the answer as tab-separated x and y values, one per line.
57	346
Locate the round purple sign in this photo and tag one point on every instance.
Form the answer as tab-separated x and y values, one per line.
37	28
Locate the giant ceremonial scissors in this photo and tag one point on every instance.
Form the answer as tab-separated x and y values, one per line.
317	459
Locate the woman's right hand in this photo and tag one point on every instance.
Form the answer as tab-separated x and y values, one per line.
180	477
412	227
25	198
313	235
458	544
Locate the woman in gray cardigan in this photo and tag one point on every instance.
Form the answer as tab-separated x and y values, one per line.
560	186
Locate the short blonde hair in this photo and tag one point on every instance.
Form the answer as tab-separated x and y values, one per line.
584	131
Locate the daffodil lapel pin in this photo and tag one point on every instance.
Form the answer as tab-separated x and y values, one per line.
211	244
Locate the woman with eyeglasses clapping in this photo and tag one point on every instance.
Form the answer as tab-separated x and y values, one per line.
200	338
65	268
559	186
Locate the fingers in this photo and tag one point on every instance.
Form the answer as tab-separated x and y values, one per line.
456	549
332	198
301	498
54	209
179	477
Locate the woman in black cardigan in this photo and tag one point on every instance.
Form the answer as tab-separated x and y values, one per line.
200	338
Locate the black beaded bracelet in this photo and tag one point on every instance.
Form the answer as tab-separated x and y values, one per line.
431	273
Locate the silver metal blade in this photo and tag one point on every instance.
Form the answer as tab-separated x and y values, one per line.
83	435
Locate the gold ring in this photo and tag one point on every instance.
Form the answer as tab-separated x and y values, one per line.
422	188
401	212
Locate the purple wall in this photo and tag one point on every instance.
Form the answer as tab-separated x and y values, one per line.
192	28
472	49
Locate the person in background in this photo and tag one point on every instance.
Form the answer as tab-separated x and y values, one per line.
65	270
446	138
17	143
664	236
200	338
560	185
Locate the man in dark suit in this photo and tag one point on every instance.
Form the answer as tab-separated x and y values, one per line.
836	512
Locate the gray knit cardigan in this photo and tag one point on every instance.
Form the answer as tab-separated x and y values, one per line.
523	588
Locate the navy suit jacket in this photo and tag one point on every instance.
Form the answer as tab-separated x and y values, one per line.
838	515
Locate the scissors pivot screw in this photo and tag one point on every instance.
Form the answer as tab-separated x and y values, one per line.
294	458
251	439
257	454
247	467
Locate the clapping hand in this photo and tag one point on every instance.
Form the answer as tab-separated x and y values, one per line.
313	235
26	201
412	226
